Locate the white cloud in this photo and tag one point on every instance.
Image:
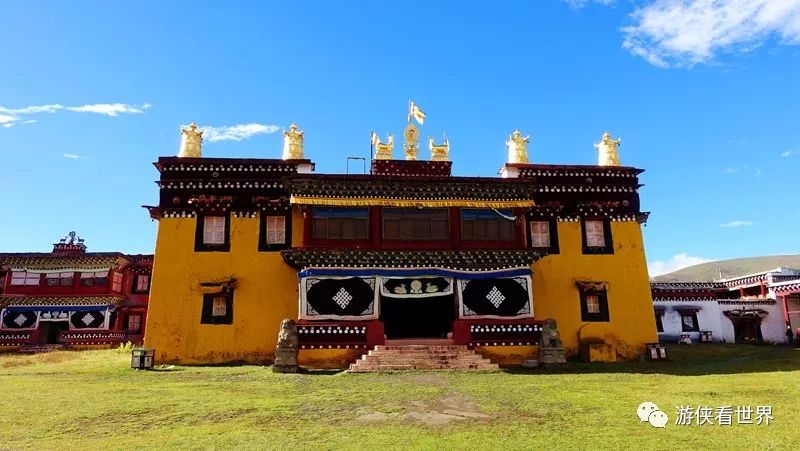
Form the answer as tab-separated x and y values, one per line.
10	115
731	224
730	170
8	125
237	132
679	261
785	154
687	32
110	109
73	156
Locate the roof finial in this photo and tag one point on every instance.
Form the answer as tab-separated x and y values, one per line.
608	155
518	147
191	142
293	143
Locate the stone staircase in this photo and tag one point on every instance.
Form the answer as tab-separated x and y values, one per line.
421	357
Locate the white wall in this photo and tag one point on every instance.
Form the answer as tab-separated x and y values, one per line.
711	317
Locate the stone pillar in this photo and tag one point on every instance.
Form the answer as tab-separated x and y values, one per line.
286	350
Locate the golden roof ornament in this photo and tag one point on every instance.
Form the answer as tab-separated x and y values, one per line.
191	142
439	152
293	143
383	151
607	152
517	147
411	144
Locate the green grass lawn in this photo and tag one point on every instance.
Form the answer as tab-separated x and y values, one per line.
92	400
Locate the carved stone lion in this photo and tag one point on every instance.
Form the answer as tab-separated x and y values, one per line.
550	335
286	349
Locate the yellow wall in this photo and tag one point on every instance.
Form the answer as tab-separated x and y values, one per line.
630	306
266	293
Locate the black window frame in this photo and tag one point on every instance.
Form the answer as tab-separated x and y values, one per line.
608	245
315	216
263	245
448	225
206	315
135	285
495	218
693	315
200	246
602	296
554	247
659	322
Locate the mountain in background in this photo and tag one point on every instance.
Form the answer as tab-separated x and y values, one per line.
706	272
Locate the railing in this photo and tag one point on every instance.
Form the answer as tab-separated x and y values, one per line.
92	338
14	338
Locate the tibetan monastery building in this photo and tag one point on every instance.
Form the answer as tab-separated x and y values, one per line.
70	297
408	251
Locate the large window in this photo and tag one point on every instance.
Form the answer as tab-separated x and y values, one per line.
597	237
275	232
487	225
135	323
217	308
24	278
116	281
94	279
59	279
142	283
331	223
659	323
213	233
689	321
594	305
416	224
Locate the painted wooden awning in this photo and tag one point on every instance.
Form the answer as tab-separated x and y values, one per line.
59	301
460	260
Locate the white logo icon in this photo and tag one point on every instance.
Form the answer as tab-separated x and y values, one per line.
649	412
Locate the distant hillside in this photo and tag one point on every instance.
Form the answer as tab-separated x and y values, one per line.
706	272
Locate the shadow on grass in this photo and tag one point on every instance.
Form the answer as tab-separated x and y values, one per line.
690	360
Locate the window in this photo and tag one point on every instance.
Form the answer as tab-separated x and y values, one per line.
214	230
594	305
416	224
540	233
487	225
213	233
659	324
59	279
134	323
274	232
116	282
217	308
94	279
340	223
597	237
689	321
142	283
24	278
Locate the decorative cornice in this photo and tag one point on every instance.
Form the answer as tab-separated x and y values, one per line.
463	260
59	301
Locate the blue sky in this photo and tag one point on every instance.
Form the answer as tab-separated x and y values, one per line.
704	94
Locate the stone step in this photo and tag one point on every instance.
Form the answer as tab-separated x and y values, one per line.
358	368
421	357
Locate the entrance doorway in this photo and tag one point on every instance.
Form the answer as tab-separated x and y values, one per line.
430	317
49	331
747	330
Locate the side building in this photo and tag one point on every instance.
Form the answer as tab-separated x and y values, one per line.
407	251
753	308
70	297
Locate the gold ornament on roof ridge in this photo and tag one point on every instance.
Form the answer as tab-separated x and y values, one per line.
439	152
607	151
293	143
383	151
517	147
191	142
411	144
